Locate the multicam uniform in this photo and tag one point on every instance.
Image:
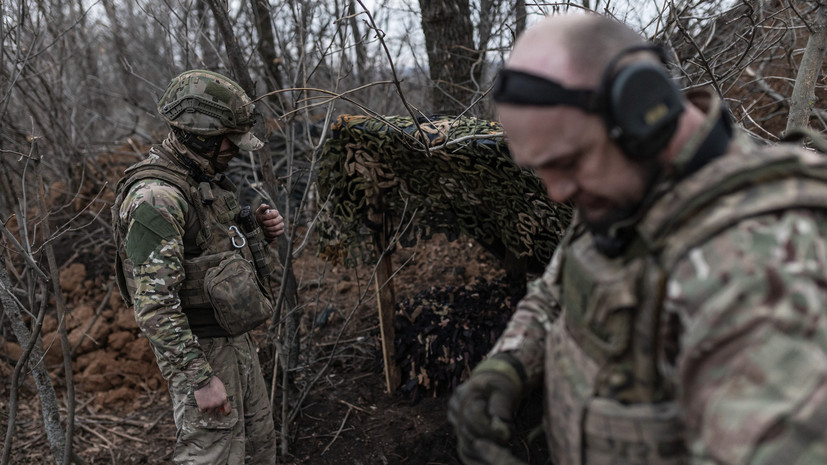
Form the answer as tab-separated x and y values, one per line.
170	230
706	341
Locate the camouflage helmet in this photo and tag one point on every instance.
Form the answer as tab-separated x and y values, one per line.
209	104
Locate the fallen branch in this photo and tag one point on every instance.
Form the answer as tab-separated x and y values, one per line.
113	431
354	406
339	431
102	437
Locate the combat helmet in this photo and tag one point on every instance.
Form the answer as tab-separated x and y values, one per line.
207	104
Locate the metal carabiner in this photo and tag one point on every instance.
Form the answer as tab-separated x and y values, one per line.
234	228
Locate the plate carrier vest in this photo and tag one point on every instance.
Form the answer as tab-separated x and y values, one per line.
210	235
611	399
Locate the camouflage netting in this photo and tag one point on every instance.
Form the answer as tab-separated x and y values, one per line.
468	184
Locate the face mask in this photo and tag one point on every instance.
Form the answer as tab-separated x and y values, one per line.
221	160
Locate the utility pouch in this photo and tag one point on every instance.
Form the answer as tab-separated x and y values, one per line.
237	299
618	434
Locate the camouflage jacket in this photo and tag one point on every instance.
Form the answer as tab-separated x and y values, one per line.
706	343
169	230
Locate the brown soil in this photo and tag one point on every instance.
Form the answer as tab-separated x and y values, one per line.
123	413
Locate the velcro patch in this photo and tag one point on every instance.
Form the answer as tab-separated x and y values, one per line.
148	229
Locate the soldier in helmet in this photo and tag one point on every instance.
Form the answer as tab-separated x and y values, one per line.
683	318
185	264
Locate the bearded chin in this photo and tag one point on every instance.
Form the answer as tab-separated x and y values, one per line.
607	223
613	231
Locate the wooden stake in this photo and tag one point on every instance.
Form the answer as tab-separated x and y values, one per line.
386	303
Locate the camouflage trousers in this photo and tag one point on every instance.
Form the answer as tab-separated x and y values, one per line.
247	434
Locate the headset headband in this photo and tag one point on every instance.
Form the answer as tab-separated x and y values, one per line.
522	88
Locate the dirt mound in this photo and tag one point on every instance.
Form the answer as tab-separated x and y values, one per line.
123	413
111	360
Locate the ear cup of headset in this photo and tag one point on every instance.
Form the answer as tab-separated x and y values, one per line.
642	107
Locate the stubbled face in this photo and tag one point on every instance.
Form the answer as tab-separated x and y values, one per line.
570	151
567	147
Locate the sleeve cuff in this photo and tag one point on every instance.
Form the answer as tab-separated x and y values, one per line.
202	379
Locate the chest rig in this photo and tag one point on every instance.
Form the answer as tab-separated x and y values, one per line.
211	234
611	399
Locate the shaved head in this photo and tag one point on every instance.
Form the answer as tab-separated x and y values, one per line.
565	138
569	116
572	49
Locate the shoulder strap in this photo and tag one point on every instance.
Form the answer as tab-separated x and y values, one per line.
736	187
159	166
156	166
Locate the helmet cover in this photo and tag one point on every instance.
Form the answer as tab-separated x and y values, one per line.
208	104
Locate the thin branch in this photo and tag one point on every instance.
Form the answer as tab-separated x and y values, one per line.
60	307
23	253
336	436
704	62
397	83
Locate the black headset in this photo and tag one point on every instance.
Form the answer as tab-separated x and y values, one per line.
640	103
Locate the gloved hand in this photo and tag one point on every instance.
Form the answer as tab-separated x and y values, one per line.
481	410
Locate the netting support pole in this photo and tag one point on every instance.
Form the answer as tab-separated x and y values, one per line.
386	303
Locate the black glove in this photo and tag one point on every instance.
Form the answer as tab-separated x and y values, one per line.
481	410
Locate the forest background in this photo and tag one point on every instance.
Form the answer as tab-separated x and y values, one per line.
79	80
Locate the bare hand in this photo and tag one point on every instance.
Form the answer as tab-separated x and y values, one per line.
270	220
212	398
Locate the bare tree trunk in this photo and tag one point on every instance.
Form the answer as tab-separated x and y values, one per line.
237	63
90	61
60	307
208	52
520	16
122	53
32	346
267	42
287	299
812	63
488	11
449	40
359	44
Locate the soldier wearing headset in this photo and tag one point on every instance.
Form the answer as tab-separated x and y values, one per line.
683	318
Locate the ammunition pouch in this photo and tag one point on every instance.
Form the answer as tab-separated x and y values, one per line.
238	299
620	434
